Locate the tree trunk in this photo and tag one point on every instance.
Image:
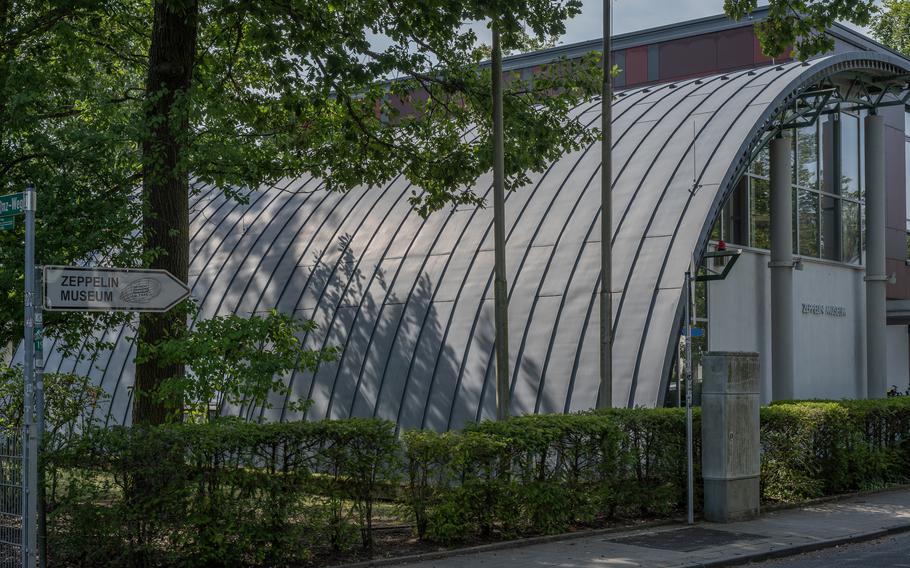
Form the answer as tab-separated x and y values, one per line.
165	179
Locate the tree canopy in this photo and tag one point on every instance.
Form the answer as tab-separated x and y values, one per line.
891	25
356	93
801	24
68	97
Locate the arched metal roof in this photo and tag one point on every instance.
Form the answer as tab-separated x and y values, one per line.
409	300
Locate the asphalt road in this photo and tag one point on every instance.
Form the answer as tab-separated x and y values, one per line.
890	552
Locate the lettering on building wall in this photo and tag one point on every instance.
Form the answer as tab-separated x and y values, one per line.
824	310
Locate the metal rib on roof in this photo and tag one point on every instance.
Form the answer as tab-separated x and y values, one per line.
410	300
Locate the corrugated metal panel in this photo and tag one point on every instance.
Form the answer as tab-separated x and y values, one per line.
409	299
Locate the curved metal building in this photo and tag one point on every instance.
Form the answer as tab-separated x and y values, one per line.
409	300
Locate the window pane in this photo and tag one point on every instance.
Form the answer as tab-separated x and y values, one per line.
701	300
851	231
862	150
761	164
794	221
849	143
760	214
826	154
736	215
808	223
807	157
830	227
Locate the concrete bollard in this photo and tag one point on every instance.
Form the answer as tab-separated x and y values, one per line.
731	460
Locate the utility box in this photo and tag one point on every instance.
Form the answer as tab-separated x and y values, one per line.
731	458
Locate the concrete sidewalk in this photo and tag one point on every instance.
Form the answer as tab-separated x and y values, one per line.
778	533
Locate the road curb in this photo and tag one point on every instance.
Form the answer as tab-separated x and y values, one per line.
799	548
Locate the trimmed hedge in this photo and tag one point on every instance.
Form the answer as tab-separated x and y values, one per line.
235	493
813	449
227	494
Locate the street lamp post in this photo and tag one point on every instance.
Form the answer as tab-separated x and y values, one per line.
605	393
500	286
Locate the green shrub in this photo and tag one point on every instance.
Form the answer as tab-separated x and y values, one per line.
356	458
816	448
237	493
651	475
558	466
428	457
223	494
794	455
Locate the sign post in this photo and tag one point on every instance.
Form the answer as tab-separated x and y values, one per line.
41	541
13	204
690	473
65	288
74	288
69	288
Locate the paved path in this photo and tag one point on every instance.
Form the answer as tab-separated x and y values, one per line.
705	544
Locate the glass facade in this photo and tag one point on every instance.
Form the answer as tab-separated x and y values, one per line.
827	193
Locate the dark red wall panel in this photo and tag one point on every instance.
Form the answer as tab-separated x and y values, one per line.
688	57
636	65
734	49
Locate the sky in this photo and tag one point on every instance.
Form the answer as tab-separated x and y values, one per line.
632	15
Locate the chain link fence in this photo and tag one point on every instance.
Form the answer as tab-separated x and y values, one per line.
10	499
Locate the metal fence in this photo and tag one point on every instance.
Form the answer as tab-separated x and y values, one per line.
10	499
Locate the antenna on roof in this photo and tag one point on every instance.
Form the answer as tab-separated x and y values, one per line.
695	185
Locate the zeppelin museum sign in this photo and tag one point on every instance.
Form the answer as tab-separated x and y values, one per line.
71	288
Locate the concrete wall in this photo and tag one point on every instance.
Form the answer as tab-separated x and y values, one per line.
830	346
898	357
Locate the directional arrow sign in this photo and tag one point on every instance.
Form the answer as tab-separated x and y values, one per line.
12	204
76	289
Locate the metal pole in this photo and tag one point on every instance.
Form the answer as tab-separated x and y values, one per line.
876	277
782	354
29	443
690	471
605	392
39	413
501	292
679	373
